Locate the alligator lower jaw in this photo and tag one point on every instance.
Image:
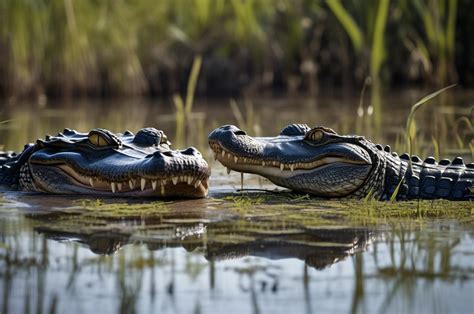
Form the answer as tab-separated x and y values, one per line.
252	164
186	185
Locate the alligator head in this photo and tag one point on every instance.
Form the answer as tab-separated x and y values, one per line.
103	163
317	161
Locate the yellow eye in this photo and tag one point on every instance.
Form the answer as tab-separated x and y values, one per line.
316	135
98	140
164	139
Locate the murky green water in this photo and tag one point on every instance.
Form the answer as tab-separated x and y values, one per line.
232	252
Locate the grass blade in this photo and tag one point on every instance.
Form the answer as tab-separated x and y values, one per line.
378	48
192	84
411	117
352	29
393	198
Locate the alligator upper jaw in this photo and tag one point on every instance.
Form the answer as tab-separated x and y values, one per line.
273	166
64	179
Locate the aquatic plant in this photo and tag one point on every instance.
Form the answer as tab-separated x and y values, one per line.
184	109
120	47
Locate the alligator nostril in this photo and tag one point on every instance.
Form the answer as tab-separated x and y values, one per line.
190	151
168	153
240	132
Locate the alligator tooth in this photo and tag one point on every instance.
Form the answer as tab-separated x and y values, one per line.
245	160
215	156
175	180
119	185
131	184
190	179
282	166
197	183
164	182
112	186
236	159
263	164
91	182
153	184
228	170
223	153
142	183
292	167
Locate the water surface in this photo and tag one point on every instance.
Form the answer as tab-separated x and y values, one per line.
234	252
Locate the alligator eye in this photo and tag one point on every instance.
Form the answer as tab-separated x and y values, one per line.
98	140
315	135
164	139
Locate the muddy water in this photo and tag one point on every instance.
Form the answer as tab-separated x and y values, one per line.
261	252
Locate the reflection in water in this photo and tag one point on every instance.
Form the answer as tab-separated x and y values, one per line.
183	259
318	248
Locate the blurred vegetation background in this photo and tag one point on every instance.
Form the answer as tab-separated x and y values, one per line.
145	47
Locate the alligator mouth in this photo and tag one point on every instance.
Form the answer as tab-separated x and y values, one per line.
193	185
234	161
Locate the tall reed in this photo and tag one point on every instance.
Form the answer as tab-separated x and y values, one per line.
121	47
184	108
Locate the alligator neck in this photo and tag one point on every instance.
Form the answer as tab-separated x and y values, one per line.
427	179
11	163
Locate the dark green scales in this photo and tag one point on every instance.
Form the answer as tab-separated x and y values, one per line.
321	162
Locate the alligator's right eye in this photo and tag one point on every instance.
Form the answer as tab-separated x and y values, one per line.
319	134
164	139
98	140
316	135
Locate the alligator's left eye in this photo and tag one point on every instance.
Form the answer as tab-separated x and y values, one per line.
98	140
164	139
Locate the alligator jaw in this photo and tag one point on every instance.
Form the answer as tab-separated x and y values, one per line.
335	168
163	186
273	168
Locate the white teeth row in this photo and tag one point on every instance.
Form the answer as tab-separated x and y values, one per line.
251	161
117	186
230	158
218	150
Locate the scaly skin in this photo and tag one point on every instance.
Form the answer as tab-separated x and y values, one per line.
105	164
321	162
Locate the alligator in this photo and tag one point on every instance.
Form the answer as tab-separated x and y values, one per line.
321	162
318	247
104	163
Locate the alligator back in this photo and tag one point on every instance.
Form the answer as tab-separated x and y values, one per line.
428	179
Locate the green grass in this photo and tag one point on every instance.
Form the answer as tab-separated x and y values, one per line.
307	211
184	109
87	47
350	26
410	129
106	209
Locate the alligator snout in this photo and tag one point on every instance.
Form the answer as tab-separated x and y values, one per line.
190	151
225	132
